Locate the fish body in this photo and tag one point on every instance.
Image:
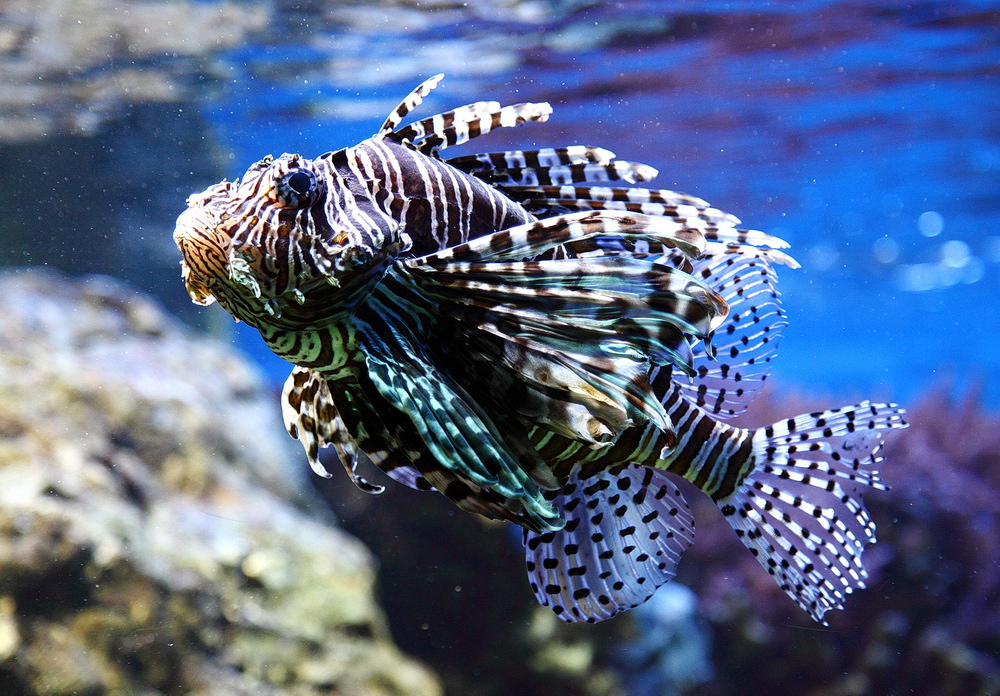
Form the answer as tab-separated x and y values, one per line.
541	347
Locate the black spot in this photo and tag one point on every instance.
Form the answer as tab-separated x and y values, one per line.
582	593
552	589
550	563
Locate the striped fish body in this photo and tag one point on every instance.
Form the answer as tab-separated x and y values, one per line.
540	346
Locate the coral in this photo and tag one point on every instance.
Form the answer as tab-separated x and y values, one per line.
155	536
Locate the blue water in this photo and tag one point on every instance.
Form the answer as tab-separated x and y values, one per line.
866	134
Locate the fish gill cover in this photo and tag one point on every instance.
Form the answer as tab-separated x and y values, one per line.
541	345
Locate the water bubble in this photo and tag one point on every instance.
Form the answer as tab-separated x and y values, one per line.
955	253
823	257
919	277
885	250
993	249
892	205
931	223
974	270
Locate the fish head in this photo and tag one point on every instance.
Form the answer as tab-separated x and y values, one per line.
293	243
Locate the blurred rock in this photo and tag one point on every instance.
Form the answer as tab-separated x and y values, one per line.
457	596
68	66
155	537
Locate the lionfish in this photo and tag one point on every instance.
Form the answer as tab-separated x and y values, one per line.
541	346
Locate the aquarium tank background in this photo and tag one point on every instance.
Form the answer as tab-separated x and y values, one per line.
867	134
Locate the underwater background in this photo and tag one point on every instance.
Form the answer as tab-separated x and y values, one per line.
867	134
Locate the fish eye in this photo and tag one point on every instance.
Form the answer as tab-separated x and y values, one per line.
297	188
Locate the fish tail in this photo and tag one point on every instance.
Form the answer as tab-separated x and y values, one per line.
798	508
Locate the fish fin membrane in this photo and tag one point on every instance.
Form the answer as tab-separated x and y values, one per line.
454	427
388	437
731	367
625	532
584	329
799	509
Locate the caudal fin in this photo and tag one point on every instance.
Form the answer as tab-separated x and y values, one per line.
799	510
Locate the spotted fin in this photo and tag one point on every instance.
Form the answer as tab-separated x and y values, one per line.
564	174
625	532
799	510
536	238
730	371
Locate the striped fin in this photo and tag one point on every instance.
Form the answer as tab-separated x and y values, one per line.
799	510
586	331
387	436
565	174
625	532
311	418
518	159
536	238
412	101
457	431
438	123
459	126
730	371
693	211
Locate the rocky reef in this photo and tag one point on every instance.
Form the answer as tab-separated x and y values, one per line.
155	533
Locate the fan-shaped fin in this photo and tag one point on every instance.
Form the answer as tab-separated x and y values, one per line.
798	510
625	532
729	373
